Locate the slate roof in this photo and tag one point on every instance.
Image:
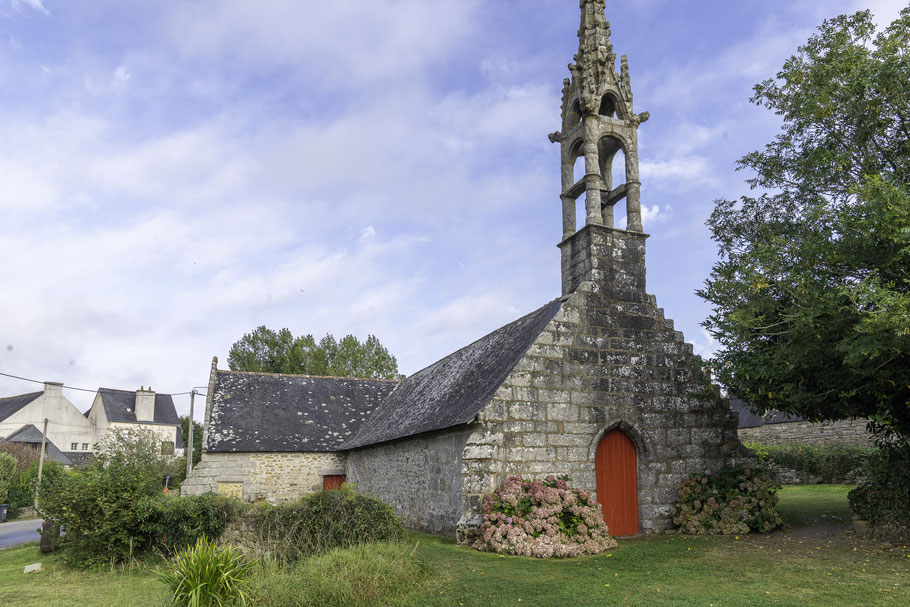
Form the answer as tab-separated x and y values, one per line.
749	419
32	435
11	404
255	412
81	458
453	390
120	406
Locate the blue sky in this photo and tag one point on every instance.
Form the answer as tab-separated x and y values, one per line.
173	175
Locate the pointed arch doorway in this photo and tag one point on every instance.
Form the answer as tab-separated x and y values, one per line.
615	467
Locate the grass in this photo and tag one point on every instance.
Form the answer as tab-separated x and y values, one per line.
817	561
60	586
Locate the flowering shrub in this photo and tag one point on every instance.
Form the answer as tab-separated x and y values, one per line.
544	519
734	500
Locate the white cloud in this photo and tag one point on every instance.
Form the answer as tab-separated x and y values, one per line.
7	7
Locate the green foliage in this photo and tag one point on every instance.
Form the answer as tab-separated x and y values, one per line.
22	490
733	500
884	499
811	295
831	464
208	575
97	507
359	576
197	437
171	523
115	509
265	350
8	465
322	521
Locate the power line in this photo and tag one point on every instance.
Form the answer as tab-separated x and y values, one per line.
36	381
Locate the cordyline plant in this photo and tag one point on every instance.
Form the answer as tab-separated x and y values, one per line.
734	500
543	519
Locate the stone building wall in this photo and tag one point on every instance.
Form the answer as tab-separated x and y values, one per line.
420	477
272	477
849	432
608	359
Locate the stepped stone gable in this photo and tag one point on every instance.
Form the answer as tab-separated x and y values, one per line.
608	359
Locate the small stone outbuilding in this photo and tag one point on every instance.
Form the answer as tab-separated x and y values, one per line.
596	384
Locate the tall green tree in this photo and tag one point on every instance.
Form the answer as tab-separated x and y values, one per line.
268	351
811	295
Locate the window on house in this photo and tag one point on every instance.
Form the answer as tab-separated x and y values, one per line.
85	446
167	448
74	446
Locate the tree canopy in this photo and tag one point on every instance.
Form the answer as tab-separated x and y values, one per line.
811	294
268	351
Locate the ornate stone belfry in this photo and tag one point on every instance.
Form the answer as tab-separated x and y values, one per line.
598	121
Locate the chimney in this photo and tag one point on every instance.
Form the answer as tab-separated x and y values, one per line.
53	389
145	405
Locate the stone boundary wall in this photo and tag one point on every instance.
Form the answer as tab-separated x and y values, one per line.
849	432
271	477
420	477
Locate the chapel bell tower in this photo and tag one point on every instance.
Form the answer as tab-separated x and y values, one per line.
597	122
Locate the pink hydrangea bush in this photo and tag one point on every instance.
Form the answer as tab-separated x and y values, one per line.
544	519
734	500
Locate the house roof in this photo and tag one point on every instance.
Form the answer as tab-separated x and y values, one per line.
12	404
750	419
453	390
32	435
274	412
120	406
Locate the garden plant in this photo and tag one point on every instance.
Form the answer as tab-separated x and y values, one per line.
543	518
733	500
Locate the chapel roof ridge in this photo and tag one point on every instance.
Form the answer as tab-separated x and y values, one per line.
268	373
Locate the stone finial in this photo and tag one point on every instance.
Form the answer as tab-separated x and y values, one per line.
596	59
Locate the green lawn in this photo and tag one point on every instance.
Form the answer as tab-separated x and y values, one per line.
814	562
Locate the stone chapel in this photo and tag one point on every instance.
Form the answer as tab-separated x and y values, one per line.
596	384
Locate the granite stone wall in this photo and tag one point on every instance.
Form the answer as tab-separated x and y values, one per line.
608	359
844	432
272	477
420	477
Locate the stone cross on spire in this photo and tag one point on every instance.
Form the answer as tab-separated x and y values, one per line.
598	121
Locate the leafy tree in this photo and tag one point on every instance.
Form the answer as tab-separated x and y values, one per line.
265	350
197	436
811	295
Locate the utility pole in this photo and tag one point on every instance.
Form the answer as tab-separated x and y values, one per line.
189	446
41	458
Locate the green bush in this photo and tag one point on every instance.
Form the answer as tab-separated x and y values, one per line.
8	465
22	490
100	509
360	576
884	499
320	522
115	509
207	575
831	464
733	500
170	523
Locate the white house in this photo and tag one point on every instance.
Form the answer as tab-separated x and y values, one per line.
143	408
67	427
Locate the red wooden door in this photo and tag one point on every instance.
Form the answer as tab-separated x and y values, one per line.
617	482
330	482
